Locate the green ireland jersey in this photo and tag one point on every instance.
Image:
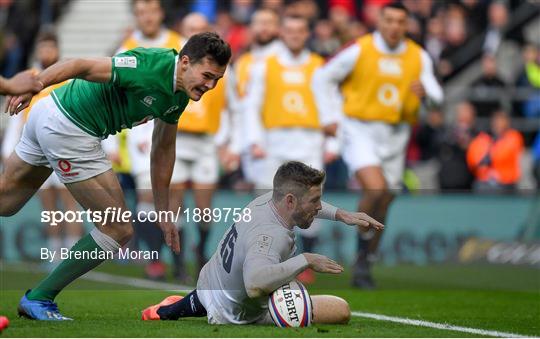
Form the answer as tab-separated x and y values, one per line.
141	88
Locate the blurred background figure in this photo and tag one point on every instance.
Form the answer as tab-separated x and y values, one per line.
53	194
454	174
489	90
149	32
383	78
264	30
494	158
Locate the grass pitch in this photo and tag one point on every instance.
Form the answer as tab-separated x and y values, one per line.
496	298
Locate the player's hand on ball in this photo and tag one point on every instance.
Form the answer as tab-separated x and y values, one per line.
172	238
18	103
358	219
322	264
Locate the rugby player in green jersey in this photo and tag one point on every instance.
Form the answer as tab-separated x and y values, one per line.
64	134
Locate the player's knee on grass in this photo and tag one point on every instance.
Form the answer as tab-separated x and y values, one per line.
329	309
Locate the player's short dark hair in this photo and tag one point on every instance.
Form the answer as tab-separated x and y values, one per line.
207	44
395	5
297	178
47	35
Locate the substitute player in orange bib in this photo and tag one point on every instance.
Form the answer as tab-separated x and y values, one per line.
382	78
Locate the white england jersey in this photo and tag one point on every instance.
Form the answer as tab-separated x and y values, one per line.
265	240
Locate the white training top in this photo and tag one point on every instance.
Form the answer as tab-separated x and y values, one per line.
258	254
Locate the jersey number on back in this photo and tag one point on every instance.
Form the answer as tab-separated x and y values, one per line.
227	248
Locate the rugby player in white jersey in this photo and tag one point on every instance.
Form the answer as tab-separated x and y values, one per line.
254	258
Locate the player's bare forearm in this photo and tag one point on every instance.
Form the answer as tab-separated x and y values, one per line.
91	69
161	165
162	162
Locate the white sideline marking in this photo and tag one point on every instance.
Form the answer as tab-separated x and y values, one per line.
156	285
439	326
136	282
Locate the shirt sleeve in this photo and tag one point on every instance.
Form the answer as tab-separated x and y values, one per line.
434	91
267	265
326	81
144	68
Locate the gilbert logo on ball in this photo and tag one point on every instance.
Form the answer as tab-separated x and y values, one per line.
290	305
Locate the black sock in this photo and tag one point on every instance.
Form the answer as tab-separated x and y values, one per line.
204	229
189	306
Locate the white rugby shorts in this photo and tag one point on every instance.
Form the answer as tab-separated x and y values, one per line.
50	139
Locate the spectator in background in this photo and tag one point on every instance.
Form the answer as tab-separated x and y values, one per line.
454	174
435	41
456	35
528	83
494	158
497	21
488	92
429	135
324	41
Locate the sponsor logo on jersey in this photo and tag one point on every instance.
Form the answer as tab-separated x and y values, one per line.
125	62
171	109
390	66
148	100
293	77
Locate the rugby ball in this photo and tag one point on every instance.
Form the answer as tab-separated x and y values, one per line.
290	305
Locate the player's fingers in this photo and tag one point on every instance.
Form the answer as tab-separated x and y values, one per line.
8	100
168	240
22	107
14	104
372	221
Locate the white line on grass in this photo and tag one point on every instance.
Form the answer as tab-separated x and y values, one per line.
439	326
156	285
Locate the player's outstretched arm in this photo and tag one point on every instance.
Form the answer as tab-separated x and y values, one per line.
261	276
162	159
21	83
91	69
